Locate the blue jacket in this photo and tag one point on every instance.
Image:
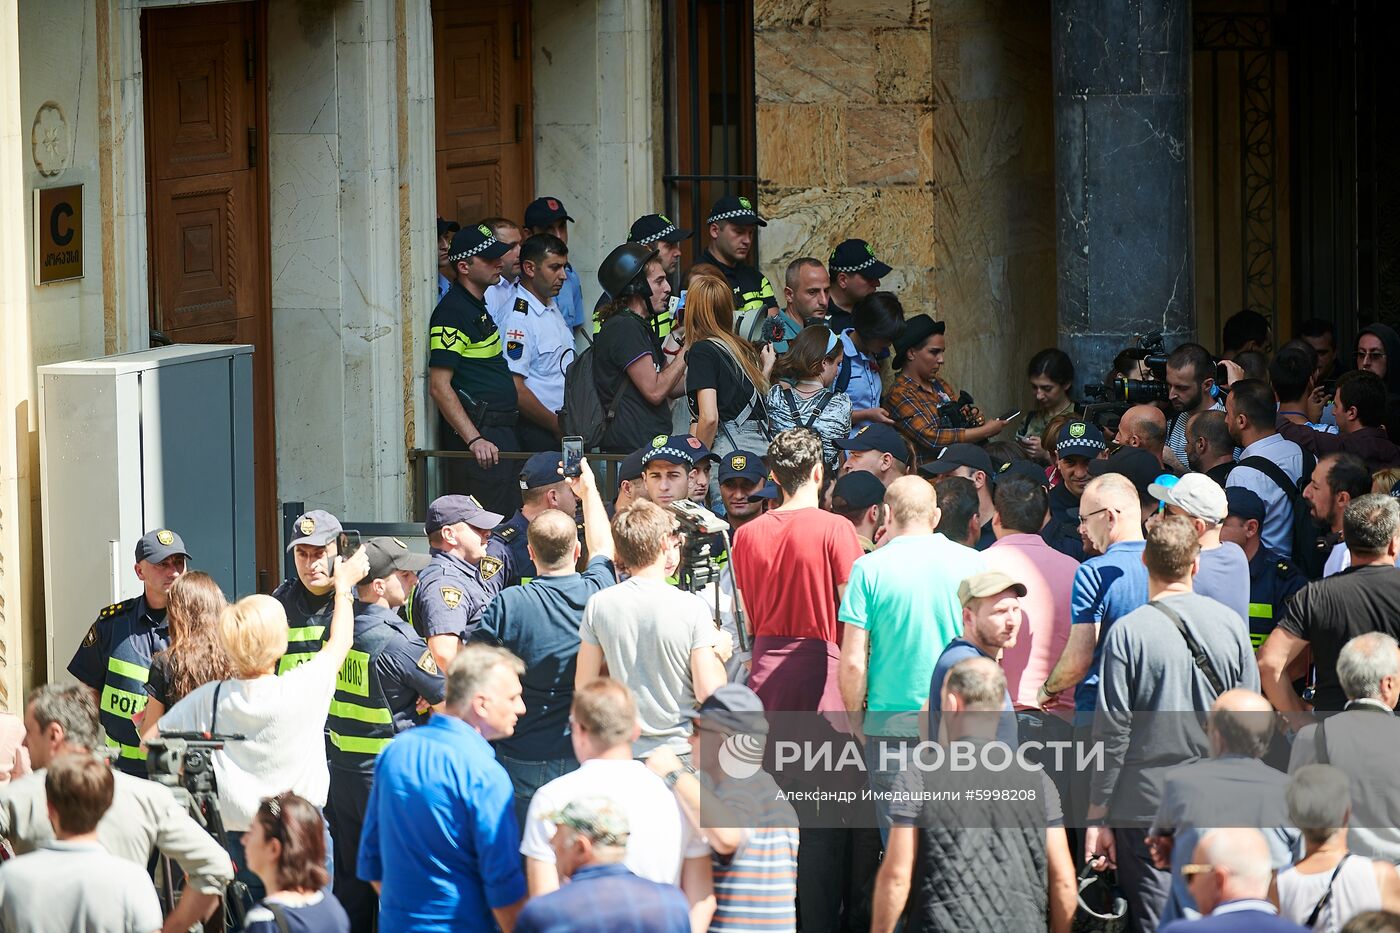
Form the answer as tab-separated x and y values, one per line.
1237	917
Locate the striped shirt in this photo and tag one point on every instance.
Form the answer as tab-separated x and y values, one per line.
756	887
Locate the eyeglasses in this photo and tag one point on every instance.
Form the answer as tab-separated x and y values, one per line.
1191	871
1084	519
1362	356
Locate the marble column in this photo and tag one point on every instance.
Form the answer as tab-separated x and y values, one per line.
1122	176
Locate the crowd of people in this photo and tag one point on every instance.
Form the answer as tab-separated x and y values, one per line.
535	726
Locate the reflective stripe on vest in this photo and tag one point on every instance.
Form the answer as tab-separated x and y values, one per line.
360	721
298	641
456	341
358	745
134	752
123	704
1261	610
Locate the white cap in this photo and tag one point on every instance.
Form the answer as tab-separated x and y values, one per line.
1195	494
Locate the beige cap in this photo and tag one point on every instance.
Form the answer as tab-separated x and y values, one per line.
987	583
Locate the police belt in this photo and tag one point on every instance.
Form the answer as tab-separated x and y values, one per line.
483	417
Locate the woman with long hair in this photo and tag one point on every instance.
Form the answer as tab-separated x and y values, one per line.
195	655
1051	374
918	398
802	394
286	847
725	380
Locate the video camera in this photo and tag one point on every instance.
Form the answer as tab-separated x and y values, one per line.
700	564
185	760
957	413
1151	350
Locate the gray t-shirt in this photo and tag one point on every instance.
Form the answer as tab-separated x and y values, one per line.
1224	577
647	630
66	886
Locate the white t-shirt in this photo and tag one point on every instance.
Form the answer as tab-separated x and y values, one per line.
283	720
658	830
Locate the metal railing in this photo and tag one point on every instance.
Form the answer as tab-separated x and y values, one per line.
418	460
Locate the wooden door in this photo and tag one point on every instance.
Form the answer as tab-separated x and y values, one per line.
485	160
207	204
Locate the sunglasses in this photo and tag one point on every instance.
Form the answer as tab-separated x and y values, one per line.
1191	871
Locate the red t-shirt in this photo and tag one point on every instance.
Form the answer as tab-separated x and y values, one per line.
788	565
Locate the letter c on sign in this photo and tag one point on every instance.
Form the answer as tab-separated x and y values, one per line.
61	212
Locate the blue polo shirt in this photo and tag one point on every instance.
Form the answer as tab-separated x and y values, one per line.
864	387
570	299
1106	588
540	624
959	650
440	831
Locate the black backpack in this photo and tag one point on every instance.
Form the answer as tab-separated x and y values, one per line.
584	414
1308	557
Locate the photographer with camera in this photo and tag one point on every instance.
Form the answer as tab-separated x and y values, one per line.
282	719
1190	389
144	818
926	409
725	380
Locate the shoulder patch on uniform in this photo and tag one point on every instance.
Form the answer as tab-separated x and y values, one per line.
515	349
90	638
490	566
1284	566
426	664
522	306
116	608
507	533
451	597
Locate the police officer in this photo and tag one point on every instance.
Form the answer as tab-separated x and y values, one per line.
630	487
309	597
500	295
386	685
855	273
539	344
548	215
446	229
1077	445
1272	579
742	473
542	487
114	659
732	223
467	374
461	577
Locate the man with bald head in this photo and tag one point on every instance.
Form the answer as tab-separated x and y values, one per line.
900	609
1230	873
1232	786
1143	426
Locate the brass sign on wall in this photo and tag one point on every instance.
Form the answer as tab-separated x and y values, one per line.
58	234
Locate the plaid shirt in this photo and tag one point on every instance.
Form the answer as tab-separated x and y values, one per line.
915	413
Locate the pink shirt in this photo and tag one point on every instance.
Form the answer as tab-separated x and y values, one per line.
1047	575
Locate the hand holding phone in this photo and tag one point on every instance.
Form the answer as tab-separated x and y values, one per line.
1011	415
572	455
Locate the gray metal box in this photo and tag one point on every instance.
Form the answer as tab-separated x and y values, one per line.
159	438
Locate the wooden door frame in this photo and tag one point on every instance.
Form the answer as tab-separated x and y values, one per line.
267	529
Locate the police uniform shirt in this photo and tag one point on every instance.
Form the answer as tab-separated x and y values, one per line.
500	296
512	533
462	337
378	688
837	317
570	298
1272	582
539	346
451	593
864	387
752	290
115	660
308	619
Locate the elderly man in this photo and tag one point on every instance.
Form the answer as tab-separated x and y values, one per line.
1364	741
589	842
1233	786
1229	874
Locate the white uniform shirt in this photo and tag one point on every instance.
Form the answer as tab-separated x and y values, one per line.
499	297
538	345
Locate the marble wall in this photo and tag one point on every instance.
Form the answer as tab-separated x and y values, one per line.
924	127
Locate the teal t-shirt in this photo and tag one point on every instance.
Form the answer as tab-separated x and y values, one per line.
905	596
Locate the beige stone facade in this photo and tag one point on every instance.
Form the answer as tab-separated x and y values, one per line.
924	127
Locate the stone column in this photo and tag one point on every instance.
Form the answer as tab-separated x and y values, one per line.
1122	176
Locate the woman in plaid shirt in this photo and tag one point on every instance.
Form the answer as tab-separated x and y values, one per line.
917	392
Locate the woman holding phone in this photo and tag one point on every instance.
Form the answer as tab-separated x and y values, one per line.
1051	373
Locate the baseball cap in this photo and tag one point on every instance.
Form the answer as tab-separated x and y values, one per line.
677	448
477	240
389	554
953	456
1195	494
1026	468
598	818
770	490
732	708
631	465
655	228
857	256
156	546
859	490
317	528
879	437
737	210
1080	439
1244	503
449	510
1139	466
543	212
447	226
988	583
742	464
542	470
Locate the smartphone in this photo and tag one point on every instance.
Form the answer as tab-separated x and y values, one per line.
1011	415
347	543
572	453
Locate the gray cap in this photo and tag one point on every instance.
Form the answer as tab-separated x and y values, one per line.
317	528
156	546
598	818
387	555
1195	494
449	510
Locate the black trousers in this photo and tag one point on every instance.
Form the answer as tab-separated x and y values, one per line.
345	814
497	488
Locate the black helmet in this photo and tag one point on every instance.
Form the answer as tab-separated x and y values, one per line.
619	273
